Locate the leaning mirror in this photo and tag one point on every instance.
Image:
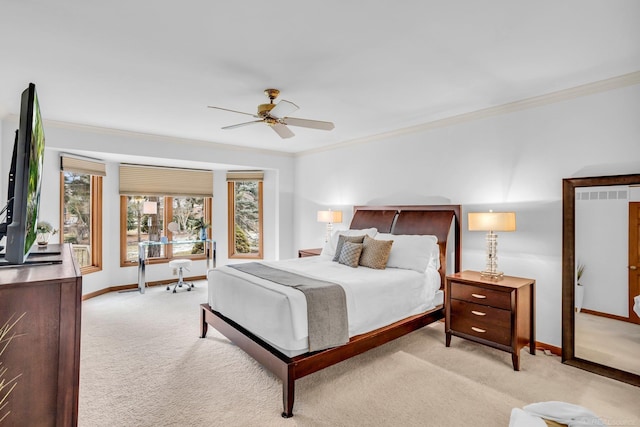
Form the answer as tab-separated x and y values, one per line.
601	275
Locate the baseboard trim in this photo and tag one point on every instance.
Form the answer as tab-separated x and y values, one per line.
135	286
607	315
548	347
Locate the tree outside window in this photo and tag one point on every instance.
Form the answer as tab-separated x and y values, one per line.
190	215
81	217
245	219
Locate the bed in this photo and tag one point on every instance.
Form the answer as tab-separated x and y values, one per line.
286	355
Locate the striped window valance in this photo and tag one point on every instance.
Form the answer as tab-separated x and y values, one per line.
245	176
163	181
82	165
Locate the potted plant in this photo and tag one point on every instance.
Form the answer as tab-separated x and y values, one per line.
44	231
579	297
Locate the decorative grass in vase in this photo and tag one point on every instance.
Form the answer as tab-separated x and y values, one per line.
5	339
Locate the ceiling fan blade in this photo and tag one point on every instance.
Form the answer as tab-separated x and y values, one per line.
239	125
282	130
233	111
313	124
283	109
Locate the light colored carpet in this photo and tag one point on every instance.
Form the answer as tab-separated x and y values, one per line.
608	341
142	364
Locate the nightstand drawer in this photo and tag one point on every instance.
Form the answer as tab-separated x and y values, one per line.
498	313
492	324
480	295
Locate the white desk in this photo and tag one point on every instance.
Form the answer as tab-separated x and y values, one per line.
209	250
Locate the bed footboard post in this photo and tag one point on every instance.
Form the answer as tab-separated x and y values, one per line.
288	393
204	326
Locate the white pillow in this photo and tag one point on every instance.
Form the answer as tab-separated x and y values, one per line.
412	251
330	246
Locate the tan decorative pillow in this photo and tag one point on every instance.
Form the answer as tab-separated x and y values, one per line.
375	253
350	254
342	239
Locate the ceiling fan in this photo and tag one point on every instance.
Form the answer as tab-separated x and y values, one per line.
276	116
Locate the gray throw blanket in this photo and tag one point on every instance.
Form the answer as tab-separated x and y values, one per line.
326	303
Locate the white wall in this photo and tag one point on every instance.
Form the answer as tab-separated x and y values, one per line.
511	161
146	149
602	241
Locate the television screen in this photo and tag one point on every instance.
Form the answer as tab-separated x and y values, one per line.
21	233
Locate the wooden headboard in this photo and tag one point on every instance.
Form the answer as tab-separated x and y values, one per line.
436	220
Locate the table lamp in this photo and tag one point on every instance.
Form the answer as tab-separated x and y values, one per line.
150	208
329	217
492	222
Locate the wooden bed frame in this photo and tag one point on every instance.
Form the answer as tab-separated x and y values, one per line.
436	220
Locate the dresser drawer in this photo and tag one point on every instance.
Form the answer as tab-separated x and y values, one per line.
480	295
492	324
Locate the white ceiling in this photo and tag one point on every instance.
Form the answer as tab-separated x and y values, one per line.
153	66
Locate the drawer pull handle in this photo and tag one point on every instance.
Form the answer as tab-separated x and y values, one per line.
479	296
482	331
478	313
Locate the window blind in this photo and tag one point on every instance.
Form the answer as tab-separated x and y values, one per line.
80	165
163	181
245	176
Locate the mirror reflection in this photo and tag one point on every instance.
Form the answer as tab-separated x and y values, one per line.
606	291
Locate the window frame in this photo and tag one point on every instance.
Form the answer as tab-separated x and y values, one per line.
168	214
96	196
232	221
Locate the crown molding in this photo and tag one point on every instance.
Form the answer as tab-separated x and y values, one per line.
613	83
155	137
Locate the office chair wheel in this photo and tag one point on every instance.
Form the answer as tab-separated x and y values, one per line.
189	289
174	291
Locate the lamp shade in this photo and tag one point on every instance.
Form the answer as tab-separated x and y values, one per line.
150	208
492	221
330	216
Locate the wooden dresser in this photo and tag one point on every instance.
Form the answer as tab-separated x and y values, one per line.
497	313
46	349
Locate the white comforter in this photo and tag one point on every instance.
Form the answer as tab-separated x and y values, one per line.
561	412
278	314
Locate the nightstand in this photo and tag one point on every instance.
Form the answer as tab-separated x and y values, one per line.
309	252
497	313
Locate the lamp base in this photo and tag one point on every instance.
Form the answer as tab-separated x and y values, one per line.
493	275
327	235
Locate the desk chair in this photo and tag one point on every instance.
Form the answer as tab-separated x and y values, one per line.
180	264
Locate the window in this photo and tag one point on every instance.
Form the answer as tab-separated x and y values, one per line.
148	217
192	215
152	197
81	216
245	214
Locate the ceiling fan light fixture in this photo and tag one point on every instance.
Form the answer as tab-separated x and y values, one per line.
272	94
264	109
277	117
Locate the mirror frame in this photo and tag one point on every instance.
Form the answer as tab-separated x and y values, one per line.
568	275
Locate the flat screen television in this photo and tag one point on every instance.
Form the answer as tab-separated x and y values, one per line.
10	193
27	180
